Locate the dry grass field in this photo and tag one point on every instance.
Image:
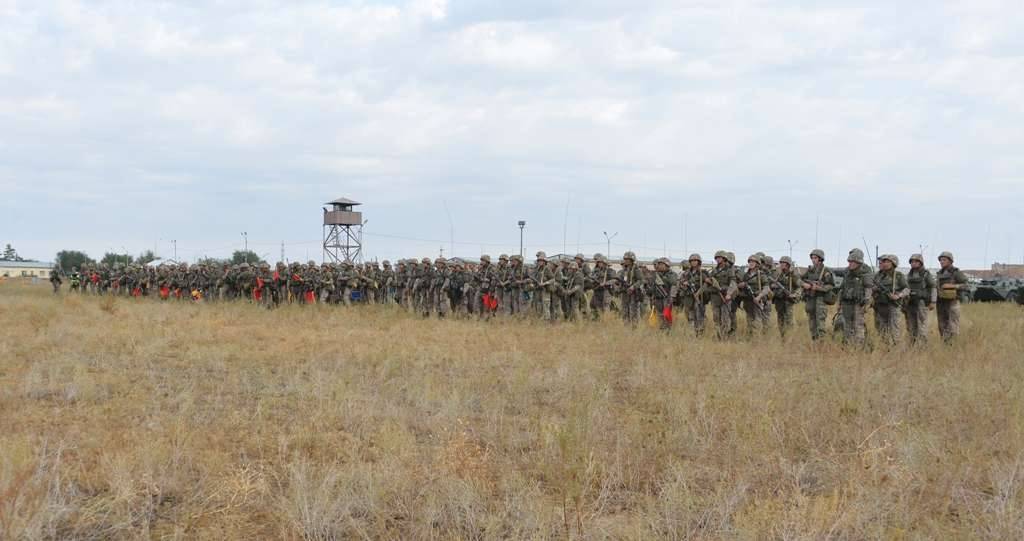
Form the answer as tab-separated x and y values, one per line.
124	419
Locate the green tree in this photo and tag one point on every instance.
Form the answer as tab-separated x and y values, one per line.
72	259
213	262
10	254
110	259
245	256
146	257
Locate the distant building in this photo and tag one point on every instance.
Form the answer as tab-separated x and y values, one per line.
998	270
27	269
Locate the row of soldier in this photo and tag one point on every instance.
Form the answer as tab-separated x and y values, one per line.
573	288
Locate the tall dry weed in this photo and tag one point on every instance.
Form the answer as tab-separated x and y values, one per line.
123	418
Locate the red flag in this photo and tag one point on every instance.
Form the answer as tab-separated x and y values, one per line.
165	292
137	292
667	312
310	297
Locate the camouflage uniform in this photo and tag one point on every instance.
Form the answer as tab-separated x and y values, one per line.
573	292
663	287
718	282
518	279
542	285
889	290
486	284
950	281
854	295
601	284
752	288
502	289
583	306
785	294
439	286
631	284
817	282
690	291
55	280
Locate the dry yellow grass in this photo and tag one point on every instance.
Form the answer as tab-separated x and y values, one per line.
127	419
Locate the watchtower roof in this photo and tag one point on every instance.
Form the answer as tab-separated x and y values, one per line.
343	201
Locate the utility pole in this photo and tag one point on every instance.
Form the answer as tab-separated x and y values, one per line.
175	244
522	225
609	242
282	252
245	245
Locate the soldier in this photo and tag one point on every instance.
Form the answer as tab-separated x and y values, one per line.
854	296
690	292
501	286
631	284
663	288
601	284
388	283
818	283
55	279
541	286
717	283
889	290
768	268
440	302
584	300
518	278
950	281
734	304
785	293
751	288
486	285
573	290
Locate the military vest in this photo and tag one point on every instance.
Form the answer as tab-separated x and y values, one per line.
854	284
918	282
887	283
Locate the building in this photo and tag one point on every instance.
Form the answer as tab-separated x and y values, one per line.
998	270
27	269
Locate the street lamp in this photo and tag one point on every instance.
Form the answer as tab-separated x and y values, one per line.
609	239
522	225
791	245
245	245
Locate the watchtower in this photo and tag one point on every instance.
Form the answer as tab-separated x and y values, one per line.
343	232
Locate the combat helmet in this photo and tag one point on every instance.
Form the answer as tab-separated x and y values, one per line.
730	257
629	255
664	260
503	257
818	252
947	255
891	259
787	260
694	257
756	258
541	256
856	256
722	254
917	257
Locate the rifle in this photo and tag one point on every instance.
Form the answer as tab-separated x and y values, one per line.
790	293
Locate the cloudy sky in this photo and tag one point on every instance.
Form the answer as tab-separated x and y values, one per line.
680	125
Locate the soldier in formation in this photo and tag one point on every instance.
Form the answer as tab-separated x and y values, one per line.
570	289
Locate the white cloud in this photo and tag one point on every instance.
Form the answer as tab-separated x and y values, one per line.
722	107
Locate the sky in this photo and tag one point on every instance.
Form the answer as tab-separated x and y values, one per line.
672	126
